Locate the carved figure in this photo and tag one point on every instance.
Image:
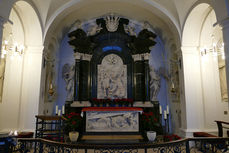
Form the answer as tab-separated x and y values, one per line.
94	29
68	74
155	84
112	23
112	78
81	42
130	30
142	43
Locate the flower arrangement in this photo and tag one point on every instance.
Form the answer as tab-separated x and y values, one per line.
73	122
150	122
171	137
101	101
123	101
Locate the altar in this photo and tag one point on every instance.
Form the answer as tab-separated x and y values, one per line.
112	119
109	71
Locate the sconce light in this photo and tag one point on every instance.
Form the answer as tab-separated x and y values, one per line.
172	88
51	90
215	50
50	86
11	48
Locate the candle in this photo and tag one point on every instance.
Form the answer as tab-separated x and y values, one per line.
167	109
160	110
50	86
59	112
56	109
165	114
173	85
63	111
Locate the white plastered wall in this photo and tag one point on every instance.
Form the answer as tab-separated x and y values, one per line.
201	77
21	91
9	108
213	104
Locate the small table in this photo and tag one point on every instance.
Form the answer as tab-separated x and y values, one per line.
49	127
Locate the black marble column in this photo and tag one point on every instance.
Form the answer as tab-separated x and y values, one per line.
147	80
76	86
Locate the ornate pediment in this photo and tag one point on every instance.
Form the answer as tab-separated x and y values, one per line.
112	22
114	29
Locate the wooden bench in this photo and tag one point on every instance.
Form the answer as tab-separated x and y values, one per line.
25	135
203	134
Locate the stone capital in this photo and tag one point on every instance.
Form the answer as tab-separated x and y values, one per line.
34	49
138	57
86	57
190	49
77	55
146	56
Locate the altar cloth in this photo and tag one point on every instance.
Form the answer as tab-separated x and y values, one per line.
86	109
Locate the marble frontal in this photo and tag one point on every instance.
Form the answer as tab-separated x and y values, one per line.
117	121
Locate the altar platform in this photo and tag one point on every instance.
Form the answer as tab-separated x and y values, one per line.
112	137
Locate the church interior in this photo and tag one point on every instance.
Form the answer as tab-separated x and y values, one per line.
122	67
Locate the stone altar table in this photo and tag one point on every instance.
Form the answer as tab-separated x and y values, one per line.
112	119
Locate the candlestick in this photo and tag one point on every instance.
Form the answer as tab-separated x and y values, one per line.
59	112
56	109
160	109
165	114
63	110
167	109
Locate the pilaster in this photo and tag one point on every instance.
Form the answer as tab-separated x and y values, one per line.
192	110
2	22
225	30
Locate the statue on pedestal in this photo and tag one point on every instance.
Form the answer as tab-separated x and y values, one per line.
155	84
68	73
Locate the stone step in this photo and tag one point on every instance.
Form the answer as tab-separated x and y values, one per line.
112	137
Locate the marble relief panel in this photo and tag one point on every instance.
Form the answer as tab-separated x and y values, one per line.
112	78
116	121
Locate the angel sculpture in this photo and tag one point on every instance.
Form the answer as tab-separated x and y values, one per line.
68	73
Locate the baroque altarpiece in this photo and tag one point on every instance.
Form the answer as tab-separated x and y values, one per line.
112	63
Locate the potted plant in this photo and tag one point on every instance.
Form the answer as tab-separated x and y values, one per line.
151	125
73	122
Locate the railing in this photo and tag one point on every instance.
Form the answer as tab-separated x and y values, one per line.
189	145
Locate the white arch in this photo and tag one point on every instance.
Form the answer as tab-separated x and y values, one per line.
25	74
31	23
201	82
192	114
147	5
193	25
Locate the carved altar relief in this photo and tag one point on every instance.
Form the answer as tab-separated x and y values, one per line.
112	78
112	121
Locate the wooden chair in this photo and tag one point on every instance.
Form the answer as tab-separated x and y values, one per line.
221	127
